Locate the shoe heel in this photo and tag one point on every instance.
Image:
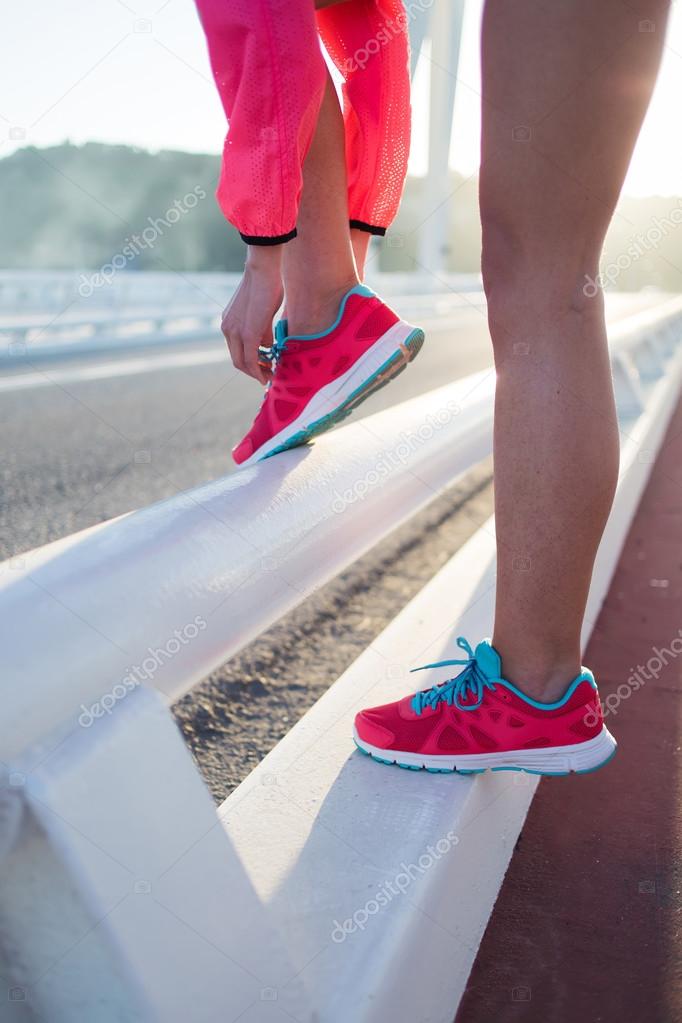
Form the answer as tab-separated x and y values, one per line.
598	756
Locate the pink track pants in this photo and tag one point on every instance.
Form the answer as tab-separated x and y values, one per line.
271	76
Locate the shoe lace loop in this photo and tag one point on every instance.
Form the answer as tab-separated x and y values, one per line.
274	352
472	681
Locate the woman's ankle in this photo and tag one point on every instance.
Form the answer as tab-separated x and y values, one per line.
311	310
360	244
542	675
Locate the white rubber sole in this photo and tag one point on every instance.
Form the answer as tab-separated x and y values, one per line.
387	357
580	757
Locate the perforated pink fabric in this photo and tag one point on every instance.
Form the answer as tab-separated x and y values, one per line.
270	74
369	44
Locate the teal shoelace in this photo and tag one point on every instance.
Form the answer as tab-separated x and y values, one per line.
274	352
472	681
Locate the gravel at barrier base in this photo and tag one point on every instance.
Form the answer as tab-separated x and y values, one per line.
245	707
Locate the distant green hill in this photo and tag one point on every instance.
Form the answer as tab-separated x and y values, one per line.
77	207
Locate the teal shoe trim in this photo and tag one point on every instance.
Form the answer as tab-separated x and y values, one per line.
475	677
387	372
358	289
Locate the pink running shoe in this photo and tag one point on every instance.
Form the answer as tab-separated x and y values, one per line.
478	720
319	379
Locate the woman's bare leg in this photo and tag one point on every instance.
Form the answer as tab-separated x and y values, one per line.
318	266
565	88
360	241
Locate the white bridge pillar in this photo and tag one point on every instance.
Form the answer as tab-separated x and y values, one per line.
445	32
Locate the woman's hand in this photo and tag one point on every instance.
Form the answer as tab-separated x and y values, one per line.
247	319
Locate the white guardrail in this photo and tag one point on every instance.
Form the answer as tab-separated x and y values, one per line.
133	310
59	290
325	888
91	331
25	338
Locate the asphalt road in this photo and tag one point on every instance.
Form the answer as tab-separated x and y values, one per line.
88	439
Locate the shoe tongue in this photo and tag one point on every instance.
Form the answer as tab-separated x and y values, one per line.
280	330
488	659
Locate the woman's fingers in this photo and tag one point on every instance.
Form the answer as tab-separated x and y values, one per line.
234	345
251	344
247	319
243	347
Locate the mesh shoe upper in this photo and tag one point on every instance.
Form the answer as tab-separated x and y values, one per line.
489	717
306	364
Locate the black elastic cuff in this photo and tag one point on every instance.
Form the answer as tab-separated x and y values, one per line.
360	225
264	239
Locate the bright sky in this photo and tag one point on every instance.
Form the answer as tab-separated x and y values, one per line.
136	72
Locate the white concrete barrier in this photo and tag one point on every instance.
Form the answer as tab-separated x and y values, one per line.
122	895
381	879
220	563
